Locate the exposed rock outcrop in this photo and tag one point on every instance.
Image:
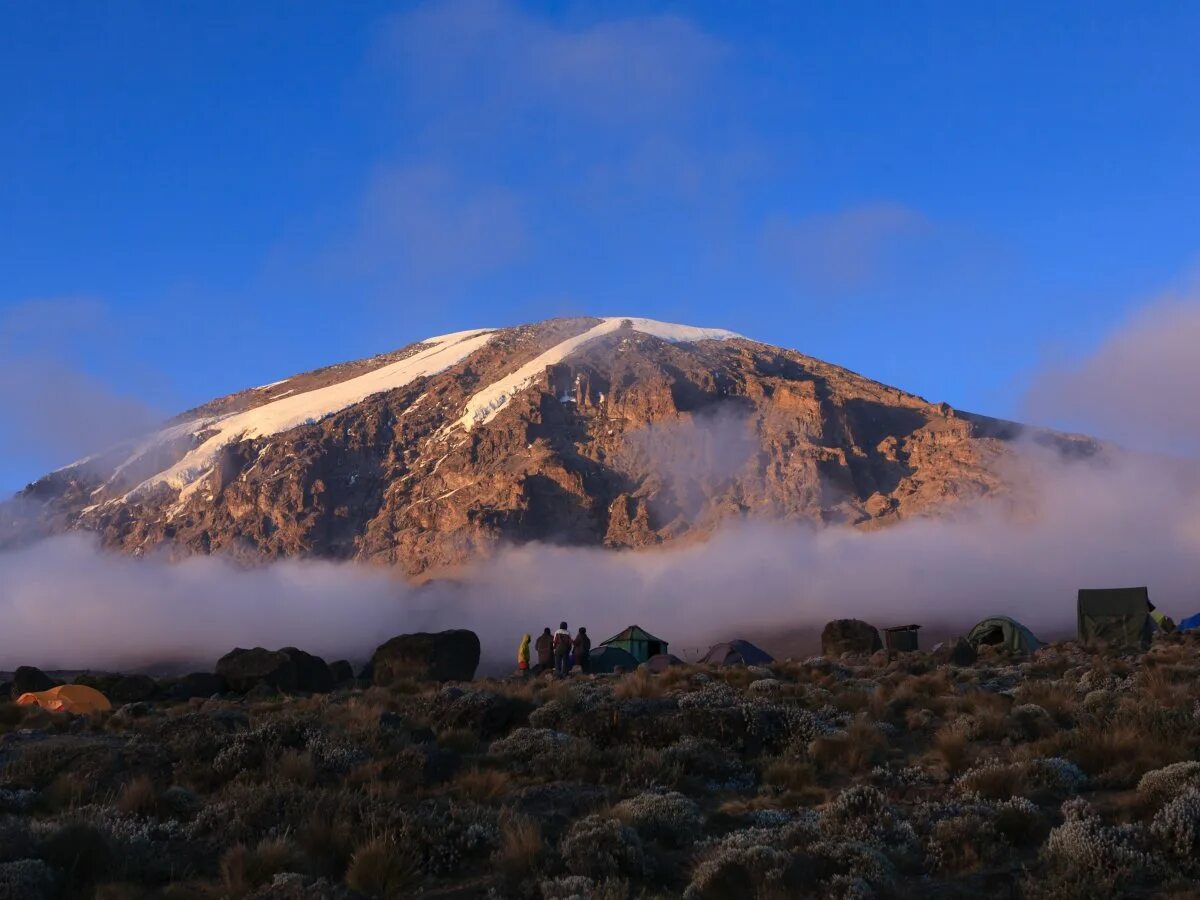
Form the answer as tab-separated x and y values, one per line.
849	636
196	684
243	670
312	673
439	656
30	679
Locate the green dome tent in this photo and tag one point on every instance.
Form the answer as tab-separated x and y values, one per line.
1001	631
608	659
637	642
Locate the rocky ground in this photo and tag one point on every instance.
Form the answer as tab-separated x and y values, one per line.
1073	773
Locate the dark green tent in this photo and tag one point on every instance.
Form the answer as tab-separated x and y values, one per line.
608	659
1116	616
637	642
1001	631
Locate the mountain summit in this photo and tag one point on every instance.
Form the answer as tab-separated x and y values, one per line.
616	432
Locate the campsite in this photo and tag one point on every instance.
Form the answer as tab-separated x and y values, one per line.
994	764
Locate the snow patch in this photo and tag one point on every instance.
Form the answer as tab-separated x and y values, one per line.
484	405
284	413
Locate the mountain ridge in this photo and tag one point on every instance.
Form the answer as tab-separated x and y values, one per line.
598	431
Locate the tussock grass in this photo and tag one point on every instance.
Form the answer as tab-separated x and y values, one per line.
138	797
856	750
639	683
297	767
460	740
483	785
951	747
381	868
521	847
244	869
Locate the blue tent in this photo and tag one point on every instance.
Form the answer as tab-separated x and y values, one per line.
1190	622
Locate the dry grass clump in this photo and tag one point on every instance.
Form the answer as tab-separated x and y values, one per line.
924	687
139	797
360	714
675	676
639	683
789	774
859	748
995	781
557	689
381	868
483	785
244	869
66	792
521	847
296	767
1057	699
1118	755
460	740
952	748
328	840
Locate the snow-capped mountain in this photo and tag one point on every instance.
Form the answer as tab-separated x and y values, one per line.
617	431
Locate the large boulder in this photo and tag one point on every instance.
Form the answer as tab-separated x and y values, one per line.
101	681
440	656
342	671
849	636
29	679
132	689
955	652
312	673
243	669
195	684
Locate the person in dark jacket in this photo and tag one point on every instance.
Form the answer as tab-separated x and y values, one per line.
583	649
545	650
562	649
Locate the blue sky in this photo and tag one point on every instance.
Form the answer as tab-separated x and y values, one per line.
949	197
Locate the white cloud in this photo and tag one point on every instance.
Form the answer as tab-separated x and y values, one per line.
848	249
55	409
424	225
1139	386
492	56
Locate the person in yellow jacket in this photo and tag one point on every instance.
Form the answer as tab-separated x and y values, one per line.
523	656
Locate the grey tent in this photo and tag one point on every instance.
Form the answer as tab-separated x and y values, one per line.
661	662
1117	616
1001	631
607	659
736	653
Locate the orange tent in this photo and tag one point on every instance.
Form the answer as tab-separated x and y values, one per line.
72	698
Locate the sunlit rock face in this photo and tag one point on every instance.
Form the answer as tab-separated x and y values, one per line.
618	432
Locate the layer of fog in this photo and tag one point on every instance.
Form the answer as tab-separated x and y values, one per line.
66	604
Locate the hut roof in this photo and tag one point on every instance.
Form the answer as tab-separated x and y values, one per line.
633	633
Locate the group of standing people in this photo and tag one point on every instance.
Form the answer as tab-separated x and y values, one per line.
556	651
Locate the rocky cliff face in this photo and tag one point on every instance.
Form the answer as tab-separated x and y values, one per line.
601	432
